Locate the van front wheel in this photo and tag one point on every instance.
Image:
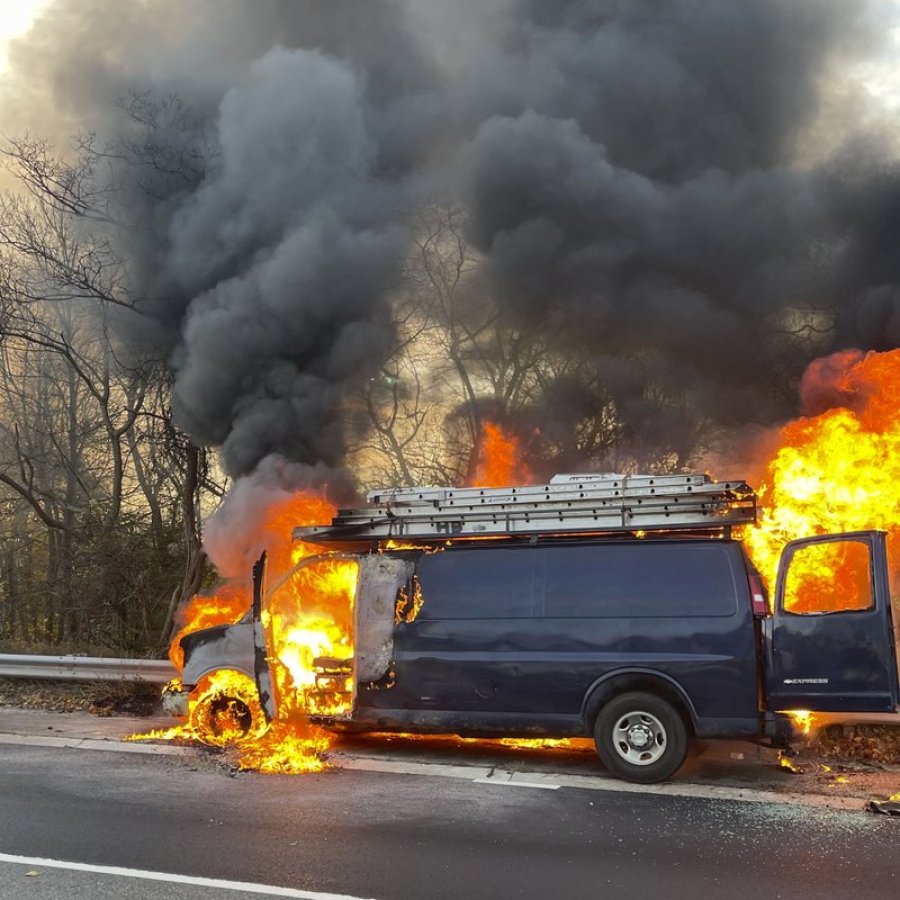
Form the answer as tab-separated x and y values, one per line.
225	709
641	737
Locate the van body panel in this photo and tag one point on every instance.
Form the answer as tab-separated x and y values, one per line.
467	724
218	647
834	661
607	684
498	647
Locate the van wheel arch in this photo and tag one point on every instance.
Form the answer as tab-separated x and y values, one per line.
603	690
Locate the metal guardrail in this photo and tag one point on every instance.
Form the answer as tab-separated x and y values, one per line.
85	668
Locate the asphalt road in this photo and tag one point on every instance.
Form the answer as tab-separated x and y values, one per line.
391	837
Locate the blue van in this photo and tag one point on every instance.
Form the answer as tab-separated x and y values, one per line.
646	642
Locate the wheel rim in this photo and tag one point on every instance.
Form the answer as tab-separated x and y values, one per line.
639	738
230	718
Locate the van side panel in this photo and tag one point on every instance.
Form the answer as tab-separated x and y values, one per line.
513	639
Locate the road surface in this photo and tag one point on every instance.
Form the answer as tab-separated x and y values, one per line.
389	836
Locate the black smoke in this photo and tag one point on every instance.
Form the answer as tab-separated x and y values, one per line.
652	189
687	193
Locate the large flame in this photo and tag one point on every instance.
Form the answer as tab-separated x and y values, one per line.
835	471
307	615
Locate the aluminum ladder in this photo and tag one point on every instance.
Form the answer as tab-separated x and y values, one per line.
568	505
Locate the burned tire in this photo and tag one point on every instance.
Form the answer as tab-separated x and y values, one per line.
225	710
640	737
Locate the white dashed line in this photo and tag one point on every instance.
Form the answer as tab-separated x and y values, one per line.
510	782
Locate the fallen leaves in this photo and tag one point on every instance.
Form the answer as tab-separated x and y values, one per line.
868	743
99	698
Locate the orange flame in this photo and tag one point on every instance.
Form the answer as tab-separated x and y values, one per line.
308	615
785	763
804	719
499	461
835	471
224	607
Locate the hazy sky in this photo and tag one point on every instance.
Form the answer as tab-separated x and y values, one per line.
15	17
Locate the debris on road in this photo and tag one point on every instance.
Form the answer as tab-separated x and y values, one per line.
876	744
889	807
784	761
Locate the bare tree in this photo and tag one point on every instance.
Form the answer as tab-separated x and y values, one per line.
456	362
102	489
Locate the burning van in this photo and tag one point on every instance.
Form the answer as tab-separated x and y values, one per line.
620	607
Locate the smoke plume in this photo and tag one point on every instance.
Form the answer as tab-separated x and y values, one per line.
687	193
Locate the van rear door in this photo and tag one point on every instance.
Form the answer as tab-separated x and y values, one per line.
832	644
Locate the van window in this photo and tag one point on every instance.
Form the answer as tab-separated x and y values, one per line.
476	584
831	576
639	580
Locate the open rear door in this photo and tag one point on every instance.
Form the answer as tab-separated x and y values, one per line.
832	640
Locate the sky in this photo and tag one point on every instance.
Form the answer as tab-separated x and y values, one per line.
881	76
15	18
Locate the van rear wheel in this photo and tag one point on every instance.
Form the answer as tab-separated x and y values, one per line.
641	737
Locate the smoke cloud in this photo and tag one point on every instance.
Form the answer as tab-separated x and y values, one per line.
677	191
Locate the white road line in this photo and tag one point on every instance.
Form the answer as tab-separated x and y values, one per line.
246	886
482	774
510	782
76	743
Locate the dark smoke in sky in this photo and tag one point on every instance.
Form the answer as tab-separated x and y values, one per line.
680	185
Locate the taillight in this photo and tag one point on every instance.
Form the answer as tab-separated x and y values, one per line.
758	602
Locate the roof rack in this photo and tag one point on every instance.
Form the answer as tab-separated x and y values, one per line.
568	505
